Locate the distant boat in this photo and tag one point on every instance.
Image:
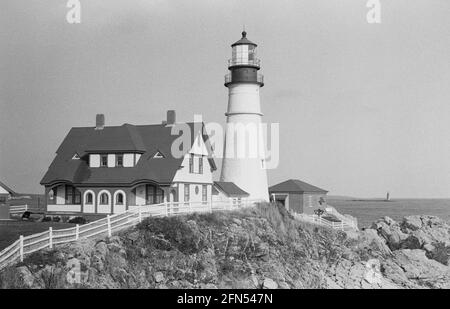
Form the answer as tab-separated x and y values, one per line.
388	198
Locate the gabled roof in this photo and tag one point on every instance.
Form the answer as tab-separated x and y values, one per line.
10	191
295	185
230	189
144	139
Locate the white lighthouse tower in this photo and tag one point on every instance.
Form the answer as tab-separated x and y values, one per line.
244	149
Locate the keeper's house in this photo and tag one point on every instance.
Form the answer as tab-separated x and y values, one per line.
105	170
298	196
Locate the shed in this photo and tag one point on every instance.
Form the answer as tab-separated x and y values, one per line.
224	190
298	196
5	193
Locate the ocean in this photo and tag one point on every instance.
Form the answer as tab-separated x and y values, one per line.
369	210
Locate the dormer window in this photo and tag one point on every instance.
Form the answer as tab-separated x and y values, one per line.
111	160
104	160
119	160
158	155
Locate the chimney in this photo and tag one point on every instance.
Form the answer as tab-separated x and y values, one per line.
99	122
171	117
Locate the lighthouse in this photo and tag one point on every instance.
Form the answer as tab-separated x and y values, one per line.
244	151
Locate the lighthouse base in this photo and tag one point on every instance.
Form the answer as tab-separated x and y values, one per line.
247	174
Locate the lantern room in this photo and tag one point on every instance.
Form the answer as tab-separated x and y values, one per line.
244	53
243	64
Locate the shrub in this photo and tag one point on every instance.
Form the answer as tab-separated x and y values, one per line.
65	219
26	215
78	220
165	233
441	253
46	219
10	279
56	219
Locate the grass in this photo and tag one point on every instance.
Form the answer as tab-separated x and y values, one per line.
10	231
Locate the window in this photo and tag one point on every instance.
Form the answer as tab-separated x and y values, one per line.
200	165
52	194
104	199
119	160
310	201
150	194
158	155
159	196
119	199
186	193
204	194
191	163
73	196
89	199
104	160
76	157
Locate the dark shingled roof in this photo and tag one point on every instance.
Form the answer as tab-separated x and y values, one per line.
230	189
7	188
144	139
295	185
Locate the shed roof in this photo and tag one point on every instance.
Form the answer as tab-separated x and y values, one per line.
10	191
295	185
230	189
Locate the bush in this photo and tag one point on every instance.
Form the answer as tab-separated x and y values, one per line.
441	253
78	220
26	215
169	232
65	219
46	219
56	219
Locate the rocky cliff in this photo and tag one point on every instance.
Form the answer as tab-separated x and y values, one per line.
261	247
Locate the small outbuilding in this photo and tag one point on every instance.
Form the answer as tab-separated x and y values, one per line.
5	193
224	190
298	196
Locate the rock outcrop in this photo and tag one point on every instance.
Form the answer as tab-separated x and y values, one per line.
258	248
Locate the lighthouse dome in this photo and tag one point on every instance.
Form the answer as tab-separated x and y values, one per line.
244	40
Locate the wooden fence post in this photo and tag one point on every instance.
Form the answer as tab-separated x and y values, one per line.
140	213
77	232
26	207
167	209
21	248
108	220
50	237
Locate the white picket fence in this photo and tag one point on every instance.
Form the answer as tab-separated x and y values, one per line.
18	209
108	225
342	225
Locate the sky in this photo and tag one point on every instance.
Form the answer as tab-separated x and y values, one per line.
363	108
